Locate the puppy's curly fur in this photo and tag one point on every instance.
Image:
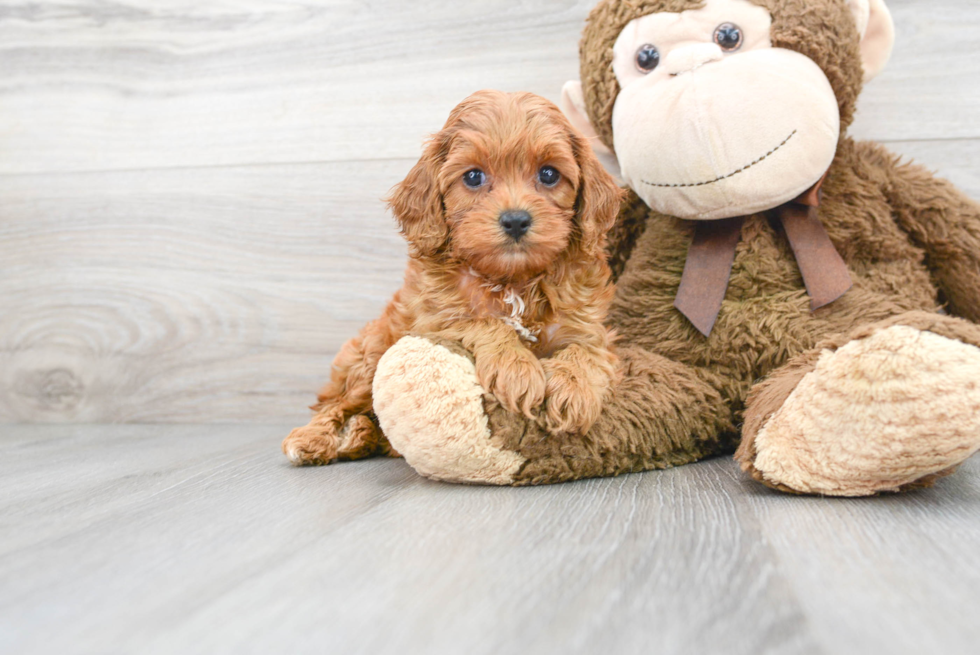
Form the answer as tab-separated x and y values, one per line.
529	307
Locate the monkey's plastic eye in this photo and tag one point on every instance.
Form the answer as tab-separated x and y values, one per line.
647	58
549	176
475	178
729	37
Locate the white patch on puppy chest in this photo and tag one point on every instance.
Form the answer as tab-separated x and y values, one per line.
517	306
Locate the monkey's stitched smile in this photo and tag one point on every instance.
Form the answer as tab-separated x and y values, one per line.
724	177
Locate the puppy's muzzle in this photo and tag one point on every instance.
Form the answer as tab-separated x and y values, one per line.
515	223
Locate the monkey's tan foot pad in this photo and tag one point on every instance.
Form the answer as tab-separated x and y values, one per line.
879	414
430	407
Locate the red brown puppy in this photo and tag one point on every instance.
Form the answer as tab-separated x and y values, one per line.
506	215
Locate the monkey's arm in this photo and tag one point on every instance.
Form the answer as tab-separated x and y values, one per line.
945	223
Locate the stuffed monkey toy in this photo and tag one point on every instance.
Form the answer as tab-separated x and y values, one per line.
781	288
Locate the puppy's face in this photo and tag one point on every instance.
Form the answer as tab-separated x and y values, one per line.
509	185
506	187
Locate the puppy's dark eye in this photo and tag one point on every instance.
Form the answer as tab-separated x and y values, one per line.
647	58
729	37
549	176
475	178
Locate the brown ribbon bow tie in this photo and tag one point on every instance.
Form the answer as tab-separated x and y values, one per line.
712	253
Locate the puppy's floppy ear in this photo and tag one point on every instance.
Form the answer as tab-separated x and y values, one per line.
417	203
599	198
572	105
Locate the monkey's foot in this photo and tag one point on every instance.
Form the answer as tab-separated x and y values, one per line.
886	412
430	407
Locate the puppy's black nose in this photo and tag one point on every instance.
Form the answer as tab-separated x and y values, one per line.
515	223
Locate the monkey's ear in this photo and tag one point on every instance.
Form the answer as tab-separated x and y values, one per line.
599	198
572	104
417	203
877	30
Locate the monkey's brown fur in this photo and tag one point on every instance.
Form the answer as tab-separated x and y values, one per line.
911	242
463	265
684	397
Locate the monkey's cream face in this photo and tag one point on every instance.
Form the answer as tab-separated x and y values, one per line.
712	121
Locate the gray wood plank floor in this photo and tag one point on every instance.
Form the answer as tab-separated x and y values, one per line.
201	539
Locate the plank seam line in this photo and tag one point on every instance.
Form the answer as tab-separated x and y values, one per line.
150	169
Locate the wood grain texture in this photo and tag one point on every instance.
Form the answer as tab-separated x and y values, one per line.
191	83
202	539
159	296
190	223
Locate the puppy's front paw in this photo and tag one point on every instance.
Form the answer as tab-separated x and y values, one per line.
574	396
312	444
515	378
